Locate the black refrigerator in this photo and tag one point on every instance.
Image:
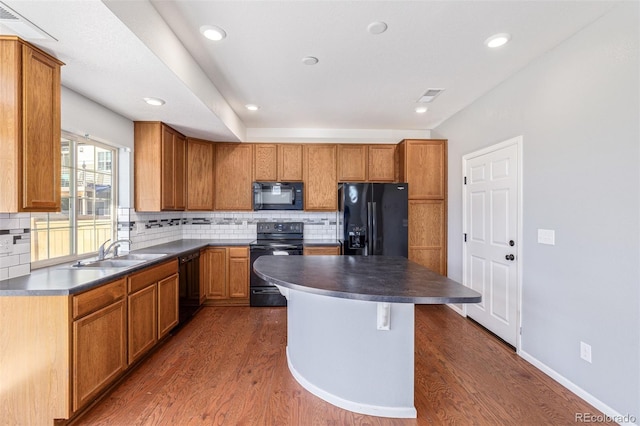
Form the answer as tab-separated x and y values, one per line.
373	218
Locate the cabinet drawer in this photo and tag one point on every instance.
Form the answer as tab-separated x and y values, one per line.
329	250
151	275
238	251
93	300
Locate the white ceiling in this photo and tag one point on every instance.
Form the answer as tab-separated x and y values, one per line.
117	52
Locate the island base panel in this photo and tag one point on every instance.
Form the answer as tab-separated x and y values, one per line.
336	352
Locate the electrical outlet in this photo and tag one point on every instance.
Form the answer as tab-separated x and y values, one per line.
140	228
6	244
585	352
547	236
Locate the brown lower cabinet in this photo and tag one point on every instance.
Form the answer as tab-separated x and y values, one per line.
428	234
152	306
321	250
99	340
225	273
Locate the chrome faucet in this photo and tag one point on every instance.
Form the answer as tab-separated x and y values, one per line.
103	253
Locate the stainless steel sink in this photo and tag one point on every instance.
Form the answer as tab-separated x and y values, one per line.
108	263
140	256
120	262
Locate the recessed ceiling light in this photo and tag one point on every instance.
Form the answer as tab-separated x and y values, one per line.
377	27
154	101
212	32
252	107
421	109
309	60
497	40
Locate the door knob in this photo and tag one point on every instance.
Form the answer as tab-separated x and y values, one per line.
510	257
512	243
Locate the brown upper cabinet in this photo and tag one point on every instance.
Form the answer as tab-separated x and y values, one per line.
200	174
423	167
320	177
352	163
159	167
30	129
233	188
366	163
277	162
381	163
290	162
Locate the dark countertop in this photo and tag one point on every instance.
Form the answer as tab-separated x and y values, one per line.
370	278
60	280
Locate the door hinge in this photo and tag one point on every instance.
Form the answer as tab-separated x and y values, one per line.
465	180
521	331
465	237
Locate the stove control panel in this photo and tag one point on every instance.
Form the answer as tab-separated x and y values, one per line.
280	227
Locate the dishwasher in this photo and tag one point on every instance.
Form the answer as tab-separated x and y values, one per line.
189	275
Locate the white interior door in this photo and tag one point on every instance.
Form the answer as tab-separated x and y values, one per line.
492	232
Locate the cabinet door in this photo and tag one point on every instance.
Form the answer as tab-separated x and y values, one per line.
99	351
320	182
200	175
265	164
290	162
381	163
238	277
167	166
233	176
143	317
215	273
352	163
428	234
168	294
41	150
425	169
179	171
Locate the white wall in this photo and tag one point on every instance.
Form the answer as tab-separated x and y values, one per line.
82	116
577	108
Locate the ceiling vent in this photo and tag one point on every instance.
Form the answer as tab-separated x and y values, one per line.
429	95
11	22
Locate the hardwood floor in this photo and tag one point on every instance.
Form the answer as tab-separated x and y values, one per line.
228	367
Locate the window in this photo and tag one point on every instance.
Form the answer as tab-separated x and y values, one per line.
87	217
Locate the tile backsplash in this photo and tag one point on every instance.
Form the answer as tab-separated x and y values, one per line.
148	229
15	245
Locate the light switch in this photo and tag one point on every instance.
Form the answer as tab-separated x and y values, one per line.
547	236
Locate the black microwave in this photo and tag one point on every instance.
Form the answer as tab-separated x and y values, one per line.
277	196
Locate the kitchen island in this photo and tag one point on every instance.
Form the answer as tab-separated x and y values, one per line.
350	325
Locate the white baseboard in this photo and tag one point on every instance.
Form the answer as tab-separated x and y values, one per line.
606	410
457	309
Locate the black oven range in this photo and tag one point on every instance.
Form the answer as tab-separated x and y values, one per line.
273	239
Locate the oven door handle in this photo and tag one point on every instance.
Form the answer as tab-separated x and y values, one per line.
283	246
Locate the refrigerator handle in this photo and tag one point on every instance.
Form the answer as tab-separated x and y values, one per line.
374	228
369	235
